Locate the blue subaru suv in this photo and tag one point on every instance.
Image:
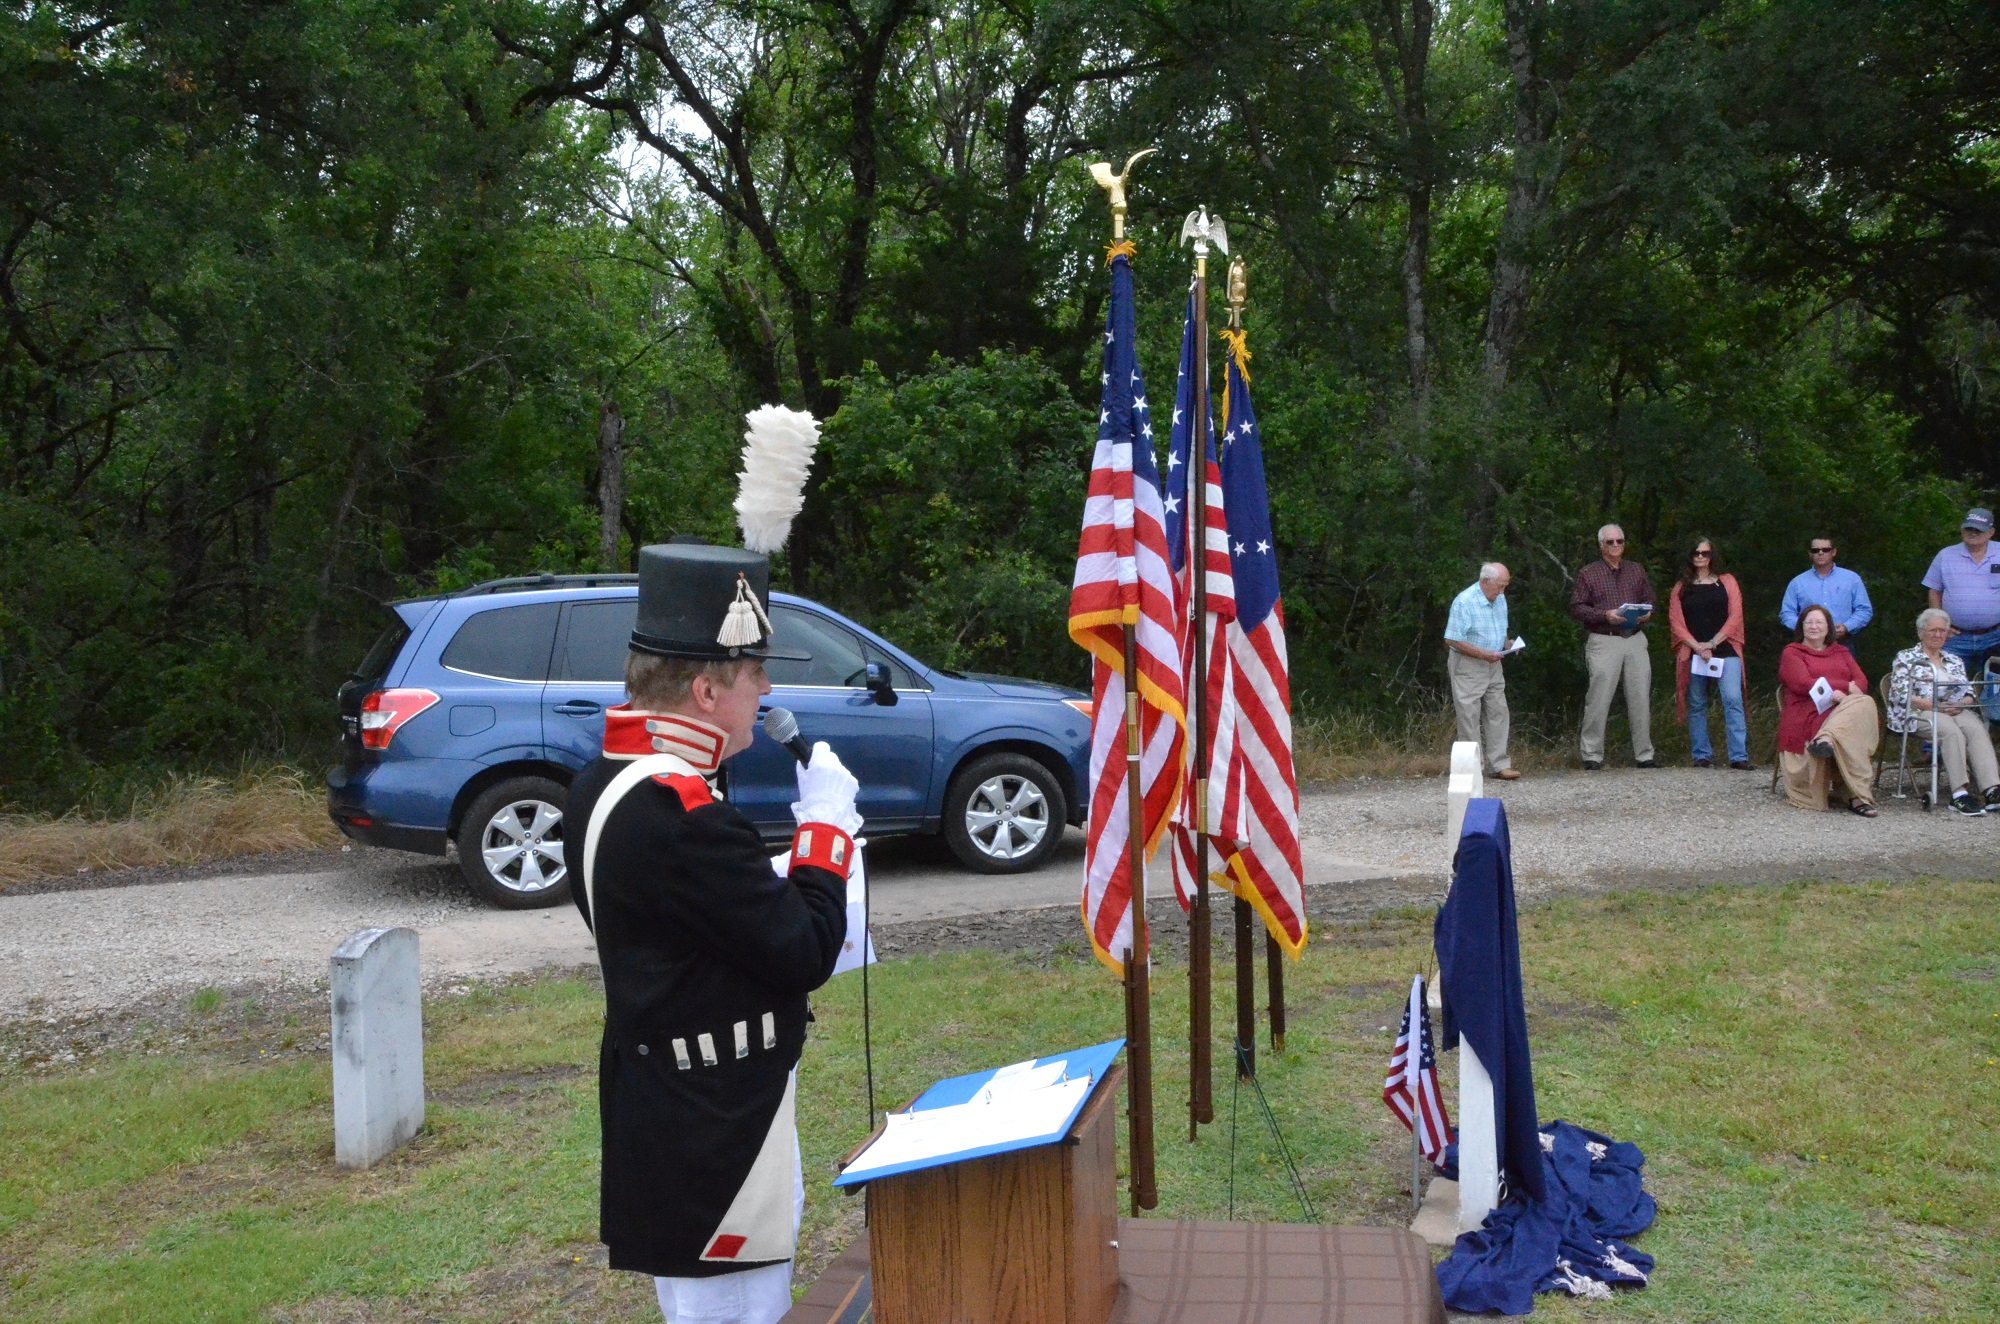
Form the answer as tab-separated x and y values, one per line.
472	712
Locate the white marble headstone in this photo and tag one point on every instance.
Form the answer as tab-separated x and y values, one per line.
378	1045
1478	1140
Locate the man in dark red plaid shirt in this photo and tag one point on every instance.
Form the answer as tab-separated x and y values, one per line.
1615	649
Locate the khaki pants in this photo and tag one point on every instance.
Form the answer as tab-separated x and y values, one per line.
1611	660
1961	741
1479	697
1852	730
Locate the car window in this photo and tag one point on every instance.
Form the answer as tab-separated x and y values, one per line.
512	643
900	676
387	645
837	658
598	640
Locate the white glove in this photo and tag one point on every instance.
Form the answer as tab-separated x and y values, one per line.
826	792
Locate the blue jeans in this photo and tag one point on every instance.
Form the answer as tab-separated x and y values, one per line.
1734	727
1973	649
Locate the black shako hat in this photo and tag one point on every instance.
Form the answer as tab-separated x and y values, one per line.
710	603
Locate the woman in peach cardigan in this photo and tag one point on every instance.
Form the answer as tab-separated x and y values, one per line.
1705	620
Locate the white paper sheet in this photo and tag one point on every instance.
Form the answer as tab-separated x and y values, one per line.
1019	1078
1822	694
1713	667
1017	1114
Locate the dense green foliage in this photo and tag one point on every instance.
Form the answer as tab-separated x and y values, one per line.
307	305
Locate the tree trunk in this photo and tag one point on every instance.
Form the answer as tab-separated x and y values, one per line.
1527	192
610	483
1402	61
356	466
1416	268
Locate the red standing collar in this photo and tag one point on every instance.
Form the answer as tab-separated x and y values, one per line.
632	734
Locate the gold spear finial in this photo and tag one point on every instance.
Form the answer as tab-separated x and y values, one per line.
1239	292
1115	186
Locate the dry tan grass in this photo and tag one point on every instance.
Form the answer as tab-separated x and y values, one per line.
1418	744
187	821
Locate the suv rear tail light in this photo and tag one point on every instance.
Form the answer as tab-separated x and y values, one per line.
1084	706
384	712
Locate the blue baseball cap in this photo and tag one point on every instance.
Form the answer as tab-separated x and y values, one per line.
1980	518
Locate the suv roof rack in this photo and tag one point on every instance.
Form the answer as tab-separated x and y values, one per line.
527	584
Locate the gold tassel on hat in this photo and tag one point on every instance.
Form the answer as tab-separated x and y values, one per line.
745	623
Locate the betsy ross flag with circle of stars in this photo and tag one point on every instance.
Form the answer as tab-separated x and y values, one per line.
1122	578
1260	805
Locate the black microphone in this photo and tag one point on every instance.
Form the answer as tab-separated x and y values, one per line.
781	726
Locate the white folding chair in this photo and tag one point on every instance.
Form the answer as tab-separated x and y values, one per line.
1926	745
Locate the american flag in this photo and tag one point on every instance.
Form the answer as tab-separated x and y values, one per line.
1260	806
1411	1091
1221	705
1122	579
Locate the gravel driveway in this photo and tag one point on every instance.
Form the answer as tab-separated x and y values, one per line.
107	943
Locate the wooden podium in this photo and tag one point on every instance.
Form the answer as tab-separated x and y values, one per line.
1025	1237
1032	1236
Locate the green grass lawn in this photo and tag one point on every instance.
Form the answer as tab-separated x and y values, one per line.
1810	1070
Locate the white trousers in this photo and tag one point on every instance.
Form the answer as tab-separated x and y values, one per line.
748	1296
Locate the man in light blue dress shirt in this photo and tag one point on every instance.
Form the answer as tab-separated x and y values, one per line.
1476	634
1833	587
1964	579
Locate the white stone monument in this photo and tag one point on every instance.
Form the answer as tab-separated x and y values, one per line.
378	1045
1478	1140
1451	1208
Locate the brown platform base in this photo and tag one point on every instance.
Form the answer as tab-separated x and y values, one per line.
1194	1273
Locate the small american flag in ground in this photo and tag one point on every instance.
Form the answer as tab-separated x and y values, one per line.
1122	579
1411	1090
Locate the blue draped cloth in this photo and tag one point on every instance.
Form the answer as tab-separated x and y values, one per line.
1572	1239
1479	975
1570	1196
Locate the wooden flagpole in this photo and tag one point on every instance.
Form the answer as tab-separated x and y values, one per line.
1201	1028
1138	956
1246	951
1274	971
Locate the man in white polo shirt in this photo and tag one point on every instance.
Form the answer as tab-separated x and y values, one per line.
1476	634
1965	581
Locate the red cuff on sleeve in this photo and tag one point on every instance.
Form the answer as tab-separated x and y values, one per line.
823	846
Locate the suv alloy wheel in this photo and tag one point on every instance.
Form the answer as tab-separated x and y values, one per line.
510	844
1004	813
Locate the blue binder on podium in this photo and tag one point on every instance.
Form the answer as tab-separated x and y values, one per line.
987	1112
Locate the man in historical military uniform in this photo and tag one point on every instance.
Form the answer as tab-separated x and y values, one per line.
707	953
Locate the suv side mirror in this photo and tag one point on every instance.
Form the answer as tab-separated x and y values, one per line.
880	684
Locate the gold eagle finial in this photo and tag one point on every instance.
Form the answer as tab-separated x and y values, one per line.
1115	186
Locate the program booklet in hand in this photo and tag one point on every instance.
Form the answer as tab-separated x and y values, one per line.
1823	696
1710	666
1632	611
1519	645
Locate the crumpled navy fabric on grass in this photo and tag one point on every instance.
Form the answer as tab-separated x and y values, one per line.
1572	1240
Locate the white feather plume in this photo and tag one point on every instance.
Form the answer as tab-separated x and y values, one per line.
777	456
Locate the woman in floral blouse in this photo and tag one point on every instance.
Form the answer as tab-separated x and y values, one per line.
1927	675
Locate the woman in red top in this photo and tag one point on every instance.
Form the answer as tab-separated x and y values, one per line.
1815	743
